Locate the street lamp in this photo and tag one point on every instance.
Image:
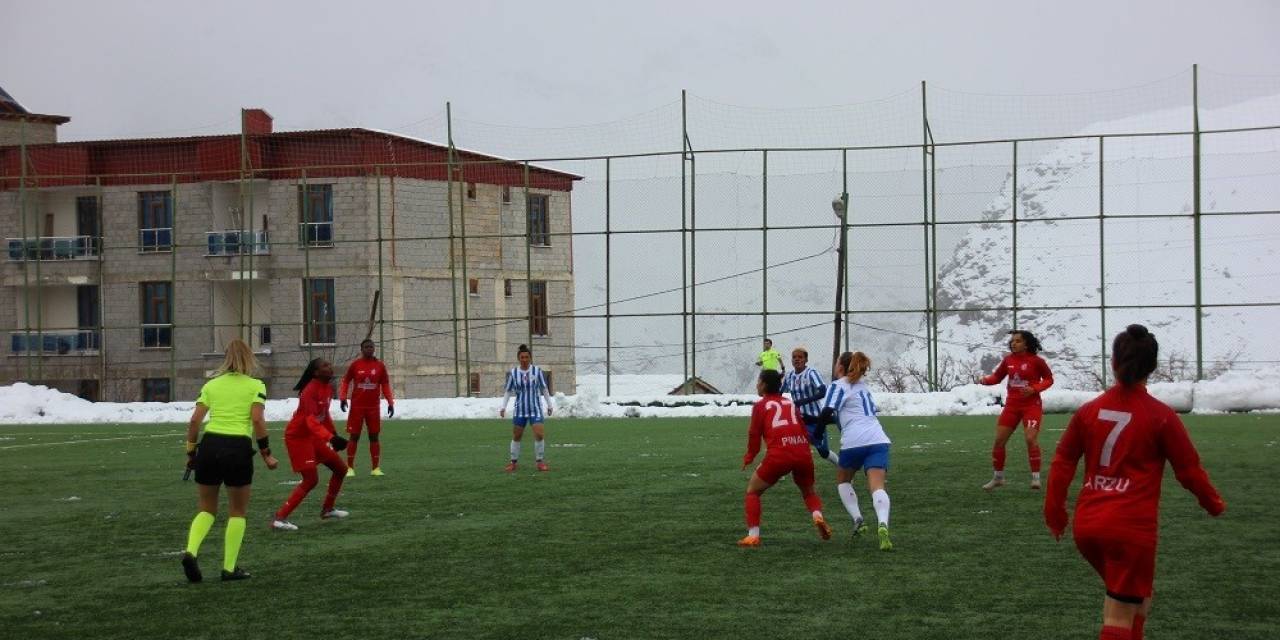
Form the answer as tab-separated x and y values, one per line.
840	207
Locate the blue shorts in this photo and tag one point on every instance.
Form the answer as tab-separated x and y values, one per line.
872	456
526	421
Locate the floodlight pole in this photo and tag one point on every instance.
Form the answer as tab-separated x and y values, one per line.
841	208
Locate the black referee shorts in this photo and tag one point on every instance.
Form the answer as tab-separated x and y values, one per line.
224	460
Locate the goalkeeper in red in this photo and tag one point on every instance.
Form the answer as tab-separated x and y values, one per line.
775	421
1125	436
368	379
1029	376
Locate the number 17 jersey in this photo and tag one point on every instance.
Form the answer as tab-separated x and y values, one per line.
1125	435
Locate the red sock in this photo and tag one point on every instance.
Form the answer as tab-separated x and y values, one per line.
1033	455
335	485
753	509
1114	633
1139	621
997	458
351	452
309	481
375	452
812	502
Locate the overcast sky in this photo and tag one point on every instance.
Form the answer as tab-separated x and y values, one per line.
167	68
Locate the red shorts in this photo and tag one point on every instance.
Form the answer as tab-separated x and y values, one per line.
364	415
772	468
1029	415
306	453
1128	568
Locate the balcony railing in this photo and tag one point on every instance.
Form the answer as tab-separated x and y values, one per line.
53	248
237	242
315	234
75	342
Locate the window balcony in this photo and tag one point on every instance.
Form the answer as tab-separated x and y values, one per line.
53	248
237	242
315	234
74	342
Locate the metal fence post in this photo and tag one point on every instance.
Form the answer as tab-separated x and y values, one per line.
1195	182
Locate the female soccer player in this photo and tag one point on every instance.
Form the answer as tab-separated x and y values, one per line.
775	421
529	386
1125	437
368	378
234	401
863	442
311	440
807	391
1029	375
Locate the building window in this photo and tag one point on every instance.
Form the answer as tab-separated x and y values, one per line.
539	222
471	191
473	286
265	337
157	314
315	215
155	221
155	390
506	288
475	384
538	308
319	316
506	194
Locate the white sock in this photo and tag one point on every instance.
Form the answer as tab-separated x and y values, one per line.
835	459
753	531
881	501
999	475
515	450
850	500
816	515
1035	475
539	449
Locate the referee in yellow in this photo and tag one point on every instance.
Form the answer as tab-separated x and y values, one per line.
234	402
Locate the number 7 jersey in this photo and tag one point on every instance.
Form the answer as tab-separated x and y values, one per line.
1125	435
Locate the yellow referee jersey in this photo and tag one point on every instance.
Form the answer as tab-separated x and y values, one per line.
230	397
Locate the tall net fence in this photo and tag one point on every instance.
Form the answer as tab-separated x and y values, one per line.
671	242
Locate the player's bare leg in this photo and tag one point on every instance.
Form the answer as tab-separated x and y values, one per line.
1003	434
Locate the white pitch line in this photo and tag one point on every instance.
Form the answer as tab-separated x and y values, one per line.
52	444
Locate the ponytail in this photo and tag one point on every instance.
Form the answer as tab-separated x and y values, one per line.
855	365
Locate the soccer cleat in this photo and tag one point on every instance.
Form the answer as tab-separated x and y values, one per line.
885	543
995	482
377	471
511	467
351	472
238	574
824	529
283	525
1035	484
191	567
542	466
335	513
859	527
749	541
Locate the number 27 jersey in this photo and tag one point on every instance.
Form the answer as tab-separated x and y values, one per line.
775	421
1125	436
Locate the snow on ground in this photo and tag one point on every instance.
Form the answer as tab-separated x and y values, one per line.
645	396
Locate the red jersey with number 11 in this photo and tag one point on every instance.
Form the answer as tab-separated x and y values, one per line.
774	420
1125	436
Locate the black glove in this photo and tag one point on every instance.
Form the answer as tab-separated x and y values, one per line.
338	443
827	416
391	410
342	404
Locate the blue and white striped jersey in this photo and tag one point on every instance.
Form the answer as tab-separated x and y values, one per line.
527	385
855	414
806	389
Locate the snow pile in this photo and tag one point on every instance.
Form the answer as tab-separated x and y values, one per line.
21	403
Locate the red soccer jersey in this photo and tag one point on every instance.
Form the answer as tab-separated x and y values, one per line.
312	415
775	420
1125	436
1025	370
368	376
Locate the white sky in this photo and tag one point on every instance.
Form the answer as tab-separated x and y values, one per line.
166	68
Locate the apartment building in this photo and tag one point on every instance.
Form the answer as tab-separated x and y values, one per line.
131	263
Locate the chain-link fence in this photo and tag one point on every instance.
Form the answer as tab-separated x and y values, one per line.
671	242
